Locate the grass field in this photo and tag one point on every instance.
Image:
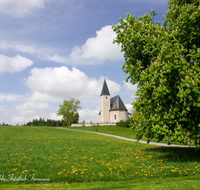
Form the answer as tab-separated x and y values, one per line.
119	131
32	155
111	129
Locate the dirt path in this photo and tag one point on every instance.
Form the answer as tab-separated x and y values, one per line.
133	140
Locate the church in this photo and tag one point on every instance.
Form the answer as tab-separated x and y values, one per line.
112	109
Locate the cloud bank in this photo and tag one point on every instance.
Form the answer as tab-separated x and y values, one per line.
14	64
100	47
130	87
32	110
59	83
20	8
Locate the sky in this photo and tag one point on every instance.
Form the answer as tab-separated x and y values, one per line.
54	50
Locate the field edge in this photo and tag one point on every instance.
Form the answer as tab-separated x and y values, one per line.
192	182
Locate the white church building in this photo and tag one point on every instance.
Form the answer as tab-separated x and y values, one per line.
112	109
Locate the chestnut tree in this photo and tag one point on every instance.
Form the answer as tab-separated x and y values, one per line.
164	59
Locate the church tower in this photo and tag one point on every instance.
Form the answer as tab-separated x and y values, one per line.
104	115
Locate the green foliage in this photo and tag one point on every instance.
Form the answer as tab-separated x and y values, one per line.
69	111
135	116
35	122
165	62
48	123
123	123
53	123
42	122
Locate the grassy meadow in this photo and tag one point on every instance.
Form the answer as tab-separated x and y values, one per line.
48	155
110	129
120	131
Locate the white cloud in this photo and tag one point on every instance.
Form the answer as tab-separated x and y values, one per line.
4	114
59	59
129	107
59	83
33	110
40	51
19	120
20	8
130	87
100	47
11	97
89	115
14	64
55	117
3	45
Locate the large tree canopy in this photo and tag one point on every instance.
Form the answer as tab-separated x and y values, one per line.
69	111
165	62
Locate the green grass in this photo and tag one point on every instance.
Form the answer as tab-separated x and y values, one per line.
30	155
183	183
110	129
119	131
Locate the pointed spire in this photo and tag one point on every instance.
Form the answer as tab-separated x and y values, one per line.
105	90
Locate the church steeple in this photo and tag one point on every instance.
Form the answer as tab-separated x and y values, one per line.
104	115
105	90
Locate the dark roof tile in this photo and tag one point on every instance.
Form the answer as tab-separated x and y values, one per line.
117	104
105	90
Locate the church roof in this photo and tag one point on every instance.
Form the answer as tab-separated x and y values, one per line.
105	90
117	104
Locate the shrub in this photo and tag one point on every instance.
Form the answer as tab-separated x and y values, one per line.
123	123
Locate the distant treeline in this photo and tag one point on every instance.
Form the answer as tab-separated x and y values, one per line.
4	124
42	122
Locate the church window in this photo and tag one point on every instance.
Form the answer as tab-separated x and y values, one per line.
115	117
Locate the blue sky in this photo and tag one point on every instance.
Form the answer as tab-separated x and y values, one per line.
53	50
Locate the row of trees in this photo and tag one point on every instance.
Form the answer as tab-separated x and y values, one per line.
164	60
4	124
42	122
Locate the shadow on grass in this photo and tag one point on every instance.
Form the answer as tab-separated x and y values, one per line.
176	154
